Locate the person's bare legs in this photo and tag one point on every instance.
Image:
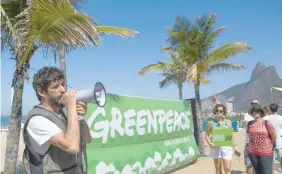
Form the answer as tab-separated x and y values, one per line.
227	166
218	166
249	170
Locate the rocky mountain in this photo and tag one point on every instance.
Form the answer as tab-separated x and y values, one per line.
259	85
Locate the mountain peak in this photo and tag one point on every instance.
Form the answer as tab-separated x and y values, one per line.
260	67
263	78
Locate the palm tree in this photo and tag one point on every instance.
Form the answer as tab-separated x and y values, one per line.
27	26
195	43
172	70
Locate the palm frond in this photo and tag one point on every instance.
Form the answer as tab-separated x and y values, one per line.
205	24
204	81
226	51
9	10
181	22
158	67
192	73
118	31
6	22
224	67
13	8
180	33
172	76
77	3
168	80
176	38
55	23
210	39
167	49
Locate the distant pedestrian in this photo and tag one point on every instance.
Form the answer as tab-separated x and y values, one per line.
276	120
267	110
247	118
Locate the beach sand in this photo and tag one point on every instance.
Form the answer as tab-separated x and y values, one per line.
202	166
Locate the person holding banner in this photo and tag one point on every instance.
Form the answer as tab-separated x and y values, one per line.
221	140
262	140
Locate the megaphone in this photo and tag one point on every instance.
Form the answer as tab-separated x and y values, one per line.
96	95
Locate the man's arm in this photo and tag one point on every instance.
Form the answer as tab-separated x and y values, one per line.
69	141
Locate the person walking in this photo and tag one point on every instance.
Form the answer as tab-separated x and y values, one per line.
262	137
222	154
267	110
247	118
54	136
276	121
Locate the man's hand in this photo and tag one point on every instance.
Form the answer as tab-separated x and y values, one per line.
69	99
81	108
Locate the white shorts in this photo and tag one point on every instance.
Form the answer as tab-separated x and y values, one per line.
224	152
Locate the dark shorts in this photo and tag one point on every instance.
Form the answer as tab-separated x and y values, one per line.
262	164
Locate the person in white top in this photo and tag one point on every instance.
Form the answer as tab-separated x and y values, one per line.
276	120
49	85
247	118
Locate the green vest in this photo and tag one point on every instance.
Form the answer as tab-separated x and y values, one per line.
55	161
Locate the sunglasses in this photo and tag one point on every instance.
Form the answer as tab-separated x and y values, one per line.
219	111
254	103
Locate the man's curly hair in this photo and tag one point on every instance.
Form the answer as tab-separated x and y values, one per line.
44	77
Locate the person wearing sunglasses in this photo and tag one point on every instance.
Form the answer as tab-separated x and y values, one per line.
220	154
247	118
262	139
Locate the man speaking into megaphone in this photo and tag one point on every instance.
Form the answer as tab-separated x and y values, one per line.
53	134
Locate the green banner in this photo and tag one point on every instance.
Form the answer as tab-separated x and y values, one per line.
222	137
137	135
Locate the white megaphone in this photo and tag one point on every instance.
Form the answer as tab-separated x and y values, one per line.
96	95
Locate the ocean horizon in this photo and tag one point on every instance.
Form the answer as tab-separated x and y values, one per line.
5	121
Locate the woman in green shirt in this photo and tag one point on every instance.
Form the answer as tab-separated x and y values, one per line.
220	153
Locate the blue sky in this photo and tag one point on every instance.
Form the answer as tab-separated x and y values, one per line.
117	61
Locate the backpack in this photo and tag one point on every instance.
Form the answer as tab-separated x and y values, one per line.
266	125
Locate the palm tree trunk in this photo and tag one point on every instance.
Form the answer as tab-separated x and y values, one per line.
180	89
63	63
13	135
200	136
